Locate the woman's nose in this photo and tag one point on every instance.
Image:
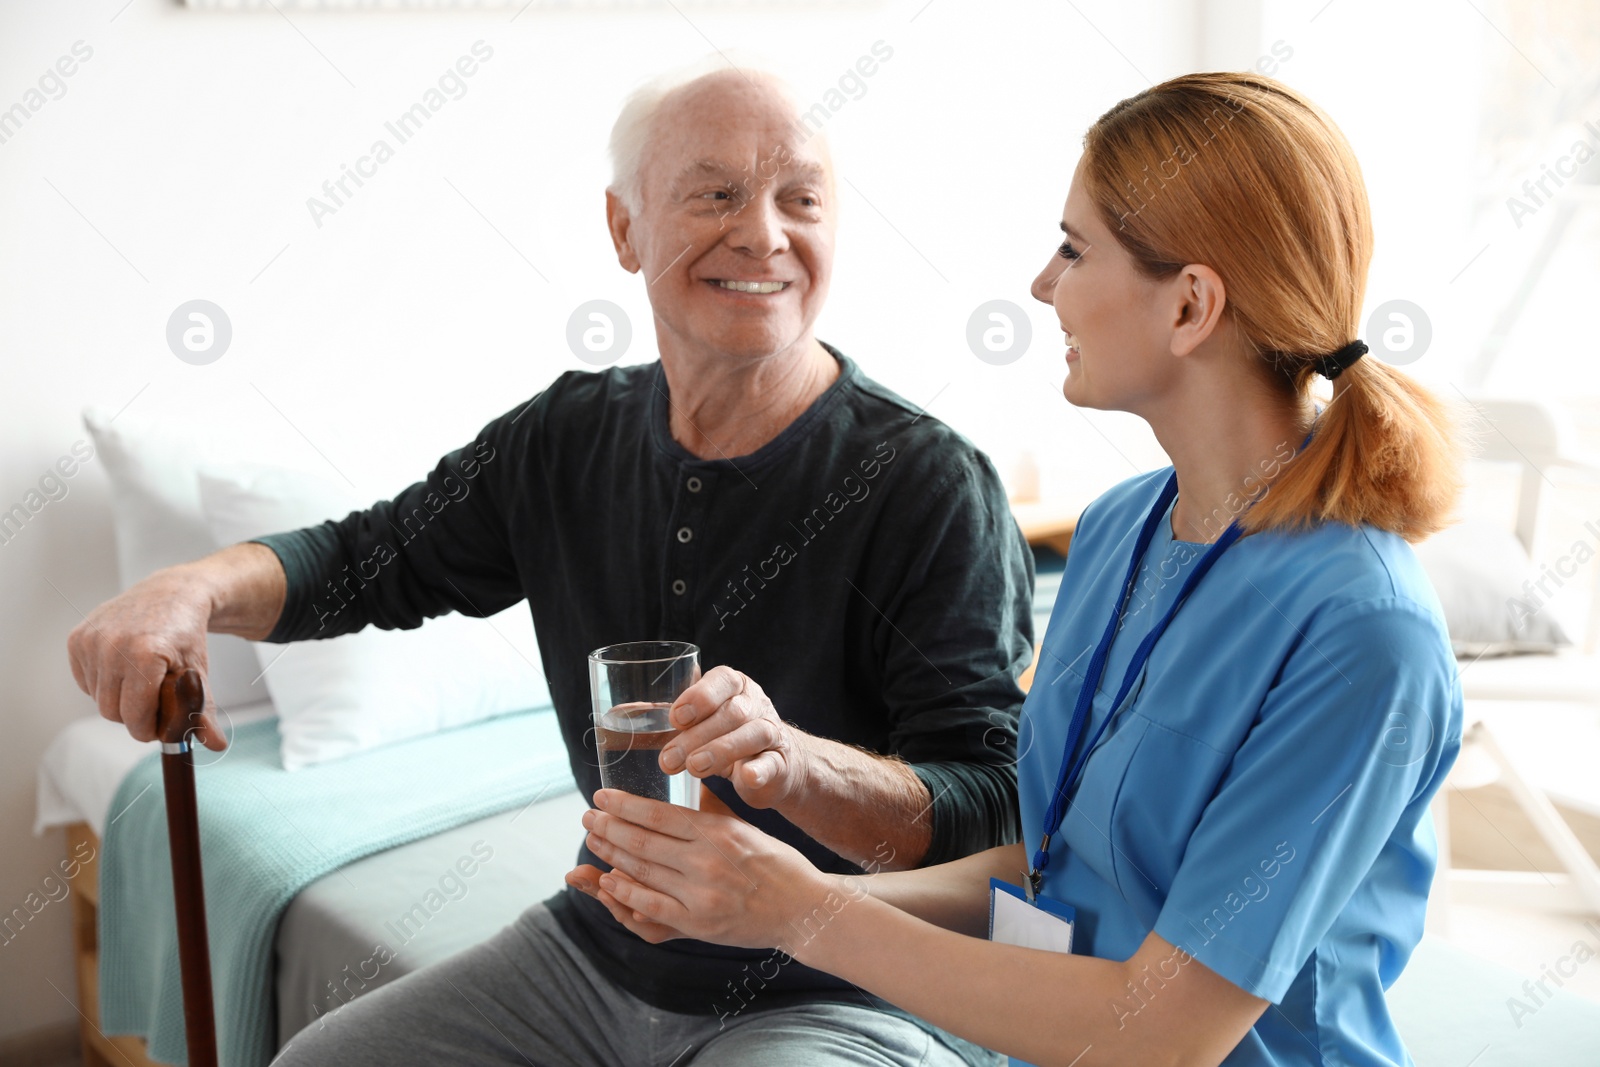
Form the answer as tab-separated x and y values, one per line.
1044	285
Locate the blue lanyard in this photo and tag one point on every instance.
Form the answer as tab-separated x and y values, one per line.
1071	769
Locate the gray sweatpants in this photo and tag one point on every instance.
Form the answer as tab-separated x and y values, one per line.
528	997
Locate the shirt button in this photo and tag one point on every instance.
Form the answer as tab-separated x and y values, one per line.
679	586
685	535
694	485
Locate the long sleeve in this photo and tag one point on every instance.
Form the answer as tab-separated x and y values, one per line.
956	632
440	545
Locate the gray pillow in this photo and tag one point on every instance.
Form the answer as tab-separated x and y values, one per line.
1480	571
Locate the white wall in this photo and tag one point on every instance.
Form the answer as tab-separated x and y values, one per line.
178	164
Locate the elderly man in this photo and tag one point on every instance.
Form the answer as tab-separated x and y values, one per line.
847	565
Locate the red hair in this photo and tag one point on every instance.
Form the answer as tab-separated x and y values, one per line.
1243	174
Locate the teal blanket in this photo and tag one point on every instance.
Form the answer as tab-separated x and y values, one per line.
265	835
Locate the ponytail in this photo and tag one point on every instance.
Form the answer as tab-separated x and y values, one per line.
1384	451
1245	175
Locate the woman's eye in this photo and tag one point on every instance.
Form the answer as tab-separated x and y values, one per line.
1066	251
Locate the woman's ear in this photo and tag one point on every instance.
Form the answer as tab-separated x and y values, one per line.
1199	298
619	220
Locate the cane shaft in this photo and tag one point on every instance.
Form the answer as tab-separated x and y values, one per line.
181	700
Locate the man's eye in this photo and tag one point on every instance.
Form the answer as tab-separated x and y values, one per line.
1066	251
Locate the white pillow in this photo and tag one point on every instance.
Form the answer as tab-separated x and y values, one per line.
343	695
1480	571
158	522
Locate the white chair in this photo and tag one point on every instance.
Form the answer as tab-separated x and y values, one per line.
1540	689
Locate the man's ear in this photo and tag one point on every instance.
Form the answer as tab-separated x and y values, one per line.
619	220
1199	298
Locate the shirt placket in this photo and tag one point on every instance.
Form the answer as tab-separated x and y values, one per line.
686	533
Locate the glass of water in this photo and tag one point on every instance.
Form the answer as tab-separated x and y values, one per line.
633	686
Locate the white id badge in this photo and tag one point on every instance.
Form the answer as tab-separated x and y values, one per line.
1045	924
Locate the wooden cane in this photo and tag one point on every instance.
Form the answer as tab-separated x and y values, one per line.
178	714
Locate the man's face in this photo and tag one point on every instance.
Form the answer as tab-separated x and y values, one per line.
730	197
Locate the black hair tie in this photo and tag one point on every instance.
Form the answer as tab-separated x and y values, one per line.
1331	366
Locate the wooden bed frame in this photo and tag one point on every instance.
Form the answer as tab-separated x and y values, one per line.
98	1049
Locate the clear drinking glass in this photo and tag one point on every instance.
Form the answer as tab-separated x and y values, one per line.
633	686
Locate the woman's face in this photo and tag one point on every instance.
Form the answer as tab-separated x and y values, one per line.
1117	322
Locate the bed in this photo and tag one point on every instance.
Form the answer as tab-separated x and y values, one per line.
323	949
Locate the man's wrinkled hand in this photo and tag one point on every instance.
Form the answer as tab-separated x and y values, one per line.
728	728
125	647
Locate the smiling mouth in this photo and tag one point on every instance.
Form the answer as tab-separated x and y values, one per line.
752	287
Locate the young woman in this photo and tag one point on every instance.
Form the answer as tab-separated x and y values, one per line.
1245	698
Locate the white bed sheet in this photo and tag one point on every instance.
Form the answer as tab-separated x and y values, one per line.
84	766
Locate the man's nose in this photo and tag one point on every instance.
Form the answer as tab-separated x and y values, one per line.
758	229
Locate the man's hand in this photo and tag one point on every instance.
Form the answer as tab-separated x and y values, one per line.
871	809
730	729
126	646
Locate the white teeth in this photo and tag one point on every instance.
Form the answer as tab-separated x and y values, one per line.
754	287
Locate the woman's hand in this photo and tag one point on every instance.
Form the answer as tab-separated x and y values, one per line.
586	879
682	873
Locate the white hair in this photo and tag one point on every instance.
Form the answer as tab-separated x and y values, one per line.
630	135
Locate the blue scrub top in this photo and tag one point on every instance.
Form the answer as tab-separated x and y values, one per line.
1261	798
